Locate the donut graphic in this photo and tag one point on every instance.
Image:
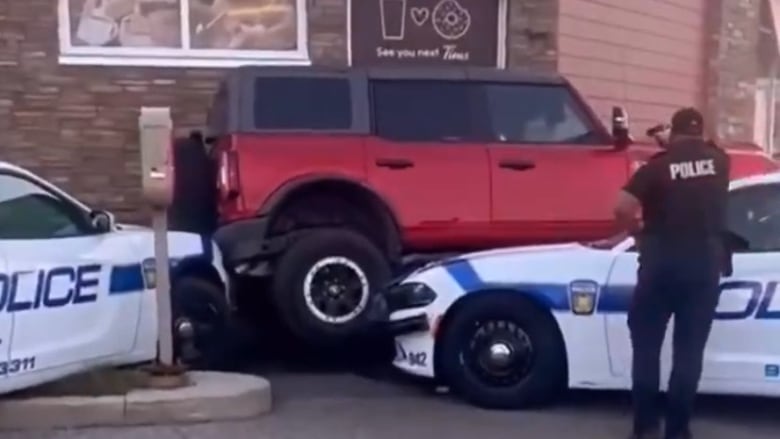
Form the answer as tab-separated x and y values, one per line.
451	20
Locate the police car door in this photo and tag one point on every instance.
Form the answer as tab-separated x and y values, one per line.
60	270
742	345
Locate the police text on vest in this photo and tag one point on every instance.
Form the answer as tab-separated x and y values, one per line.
692	169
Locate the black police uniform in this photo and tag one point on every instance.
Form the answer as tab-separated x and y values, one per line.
683	193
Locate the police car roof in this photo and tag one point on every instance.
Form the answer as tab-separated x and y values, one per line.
756	180
5	166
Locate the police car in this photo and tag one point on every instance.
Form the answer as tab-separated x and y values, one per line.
77	290
511	327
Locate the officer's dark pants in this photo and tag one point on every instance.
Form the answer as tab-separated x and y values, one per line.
688	290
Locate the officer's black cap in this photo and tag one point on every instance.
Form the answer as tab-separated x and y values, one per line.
688	121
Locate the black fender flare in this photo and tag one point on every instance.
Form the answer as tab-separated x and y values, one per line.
271	205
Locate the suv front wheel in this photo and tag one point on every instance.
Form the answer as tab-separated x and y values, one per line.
323	284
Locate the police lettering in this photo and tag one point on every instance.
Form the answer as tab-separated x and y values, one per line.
55	288
692	169
759	303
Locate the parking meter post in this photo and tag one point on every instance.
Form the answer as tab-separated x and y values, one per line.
156	127
162	267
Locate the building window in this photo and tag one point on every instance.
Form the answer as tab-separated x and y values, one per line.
191	33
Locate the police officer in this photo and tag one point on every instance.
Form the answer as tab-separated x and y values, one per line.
682	193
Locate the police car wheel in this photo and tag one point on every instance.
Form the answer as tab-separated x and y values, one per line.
324	284
501	351
200	322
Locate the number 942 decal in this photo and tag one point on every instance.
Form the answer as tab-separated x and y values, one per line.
16	365
413	358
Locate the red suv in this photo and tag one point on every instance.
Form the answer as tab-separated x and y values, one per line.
327	178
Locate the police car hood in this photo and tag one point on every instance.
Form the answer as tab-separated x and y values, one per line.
543	264
180	244
525	251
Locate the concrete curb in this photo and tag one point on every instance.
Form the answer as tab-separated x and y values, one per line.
212	396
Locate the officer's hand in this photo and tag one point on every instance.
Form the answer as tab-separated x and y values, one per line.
601	244
607	243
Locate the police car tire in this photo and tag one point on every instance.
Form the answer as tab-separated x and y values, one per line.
294	265
547	376
214	352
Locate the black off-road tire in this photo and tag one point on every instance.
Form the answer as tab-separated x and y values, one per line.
206	304
345	248
546	376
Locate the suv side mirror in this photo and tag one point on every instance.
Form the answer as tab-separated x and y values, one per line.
620	131
102	221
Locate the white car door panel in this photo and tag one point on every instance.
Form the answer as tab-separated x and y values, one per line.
747	318
741	346
73	302
74	293
6	318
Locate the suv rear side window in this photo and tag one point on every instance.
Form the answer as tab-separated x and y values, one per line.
535	113
423	111
302	104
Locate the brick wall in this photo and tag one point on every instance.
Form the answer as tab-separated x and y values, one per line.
733	67
78	125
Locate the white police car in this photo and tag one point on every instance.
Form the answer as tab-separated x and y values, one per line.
77	290
508	328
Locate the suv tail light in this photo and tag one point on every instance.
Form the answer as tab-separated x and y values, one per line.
229	183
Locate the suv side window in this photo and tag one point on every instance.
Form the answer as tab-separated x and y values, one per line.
535	113
28	211
302	103
422	110
754	215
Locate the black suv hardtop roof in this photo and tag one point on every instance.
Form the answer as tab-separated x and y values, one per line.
432	73
232	110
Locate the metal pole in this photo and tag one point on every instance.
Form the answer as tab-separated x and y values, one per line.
157	176
162	268
771	110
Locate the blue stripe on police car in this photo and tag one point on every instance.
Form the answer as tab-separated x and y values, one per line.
80	283
615	298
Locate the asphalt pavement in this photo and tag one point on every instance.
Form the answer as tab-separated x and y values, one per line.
338	396
327	404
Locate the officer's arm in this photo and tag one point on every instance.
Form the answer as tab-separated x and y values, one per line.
629	202
627	212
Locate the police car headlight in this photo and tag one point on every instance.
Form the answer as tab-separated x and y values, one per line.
582	296
409	295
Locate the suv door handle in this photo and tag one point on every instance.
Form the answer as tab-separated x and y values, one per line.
394	163
517	165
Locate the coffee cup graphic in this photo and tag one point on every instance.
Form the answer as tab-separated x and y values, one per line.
393	19
96	30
